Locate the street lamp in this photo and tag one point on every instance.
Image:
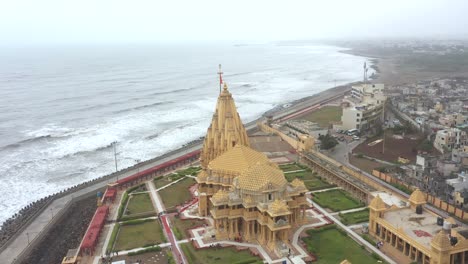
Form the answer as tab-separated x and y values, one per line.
137	161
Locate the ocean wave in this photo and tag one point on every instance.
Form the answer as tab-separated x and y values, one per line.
142	107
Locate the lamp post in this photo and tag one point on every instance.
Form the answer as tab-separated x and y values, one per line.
137	161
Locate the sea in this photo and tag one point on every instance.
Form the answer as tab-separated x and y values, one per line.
62	106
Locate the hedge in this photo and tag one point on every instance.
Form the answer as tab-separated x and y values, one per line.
115	231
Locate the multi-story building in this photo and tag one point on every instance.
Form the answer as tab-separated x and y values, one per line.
451	138
363	109
247	196
416	234
457	189
452	120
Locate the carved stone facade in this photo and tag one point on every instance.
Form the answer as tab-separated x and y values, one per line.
246	194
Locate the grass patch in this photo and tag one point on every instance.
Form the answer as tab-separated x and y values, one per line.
336	200
213	255
330	245
139	203
324	115
355	217
137	235
177	194
180	226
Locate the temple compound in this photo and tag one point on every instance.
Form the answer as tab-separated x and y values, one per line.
246	194
417	234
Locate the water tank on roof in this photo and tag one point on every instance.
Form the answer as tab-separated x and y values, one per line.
440	221
419	209
447	225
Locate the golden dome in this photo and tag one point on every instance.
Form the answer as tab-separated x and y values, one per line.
441	240
345	262
417	197
220	196
248	200
296	183
377	203
261	176
278	207
237	159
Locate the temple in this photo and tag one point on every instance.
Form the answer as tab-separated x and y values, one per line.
246	194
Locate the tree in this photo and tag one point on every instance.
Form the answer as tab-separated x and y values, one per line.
327	141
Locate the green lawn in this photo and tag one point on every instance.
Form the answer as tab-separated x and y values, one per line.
324	115
311	181
331	246
139	235
355	217
212	255
139	203
336	200
178	193
180	226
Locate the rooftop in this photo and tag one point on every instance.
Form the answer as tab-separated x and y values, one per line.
420	227
390	199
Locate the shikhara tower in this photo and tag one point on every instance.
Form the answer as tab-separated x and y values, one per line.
246	194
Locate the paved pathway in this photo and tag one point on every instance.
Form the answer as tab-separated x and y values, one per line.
349	211
177	252
325	190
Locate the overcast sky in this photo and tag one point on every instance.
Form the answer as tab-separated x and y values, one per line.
103	21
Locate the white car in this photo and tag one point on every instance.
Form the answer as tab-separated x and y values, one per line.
356	137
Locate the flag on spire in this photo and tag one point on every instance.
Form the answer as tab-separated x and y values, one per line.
220	78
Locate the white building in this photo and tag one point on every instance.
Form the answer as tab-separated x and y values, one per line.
364	107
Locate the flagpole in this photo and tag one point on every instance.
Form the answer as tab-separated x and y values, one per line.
220	78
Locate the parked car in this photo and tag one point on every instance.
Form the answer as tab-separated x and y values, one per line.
356	137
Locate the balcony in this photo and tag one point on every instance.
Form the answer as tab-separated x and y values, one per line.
219	213
236	212
278	225
250	215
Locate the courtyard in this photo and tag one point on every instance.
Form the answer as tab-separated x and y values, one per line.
218	255
177	193
324	116
330	245
138	233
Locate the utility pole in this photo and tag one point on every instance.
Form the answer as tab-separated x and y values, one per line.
383	118
115	155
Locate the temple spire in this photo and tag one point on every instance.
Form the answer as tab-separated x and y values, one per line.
226	129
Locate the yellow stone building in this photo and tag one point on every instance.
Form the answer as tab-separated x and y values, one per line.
417	234
246	194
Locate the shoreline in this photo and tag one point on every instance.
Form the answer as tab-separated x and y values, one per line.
90	186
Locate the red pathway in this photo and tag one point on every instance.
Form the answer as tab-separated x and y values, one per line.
178	256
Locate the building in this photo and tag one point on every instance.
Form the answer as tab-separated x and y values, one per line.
363	109
247	196
451	138
452	120
457	189
417	234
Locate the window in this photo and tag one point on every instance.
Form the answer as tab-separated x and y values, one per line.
357	120
270	197
358	114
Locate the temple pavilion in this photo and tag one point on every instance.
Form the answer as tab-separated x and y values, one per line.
241	189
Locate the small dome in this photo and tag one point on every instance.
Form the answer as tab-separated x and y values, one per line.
278	207
377	203
417	197
261	176
441	241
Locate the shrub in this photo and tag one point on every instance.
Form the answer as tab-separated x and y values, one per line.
137	222
122	205
115	231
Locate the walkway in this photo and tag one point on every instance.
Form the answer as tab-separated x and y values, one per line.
349	211
177	252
